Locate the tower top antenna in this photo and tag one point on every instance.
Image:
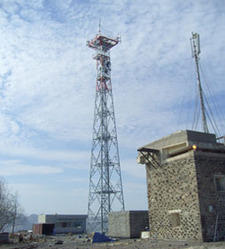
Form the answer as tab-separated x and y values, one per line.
195	45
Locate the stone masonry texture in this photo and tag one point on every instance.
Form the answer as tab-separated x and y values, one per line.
186	192
212	202
172	190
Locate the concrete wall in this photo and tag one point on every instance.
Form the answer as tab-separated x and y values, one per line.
119	224
187	136
127	224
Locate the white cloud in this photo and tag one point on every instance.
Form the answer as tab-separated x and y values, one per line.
42	154
50	199
48	78
130	167
138	192
15	167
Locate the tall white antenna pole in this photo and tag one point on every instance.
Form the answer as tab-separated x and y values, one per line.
99	26
195	47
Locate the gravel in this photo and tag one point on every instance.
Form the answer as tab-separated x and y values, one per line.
83	242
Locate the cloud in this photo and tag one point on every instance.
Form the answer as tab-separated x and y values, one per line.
47	81
41	154
131	168
52	99
139	192
15	167
51	199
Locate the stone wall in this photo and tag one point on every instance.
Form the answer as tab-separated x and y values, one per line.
210	166
174	211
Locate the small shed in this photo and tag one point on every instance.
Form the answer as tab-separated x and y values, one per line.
47	229
128	224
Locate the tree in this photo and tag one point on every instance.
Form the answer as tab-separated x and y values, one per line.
9	207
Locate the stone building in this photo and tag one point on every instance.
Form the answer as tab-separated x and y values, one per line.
186	186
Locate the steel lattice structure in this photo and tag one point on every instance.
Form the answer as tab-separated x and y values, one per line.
105	183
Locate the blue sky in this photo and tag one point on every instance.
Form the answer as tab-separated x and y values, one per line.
47	89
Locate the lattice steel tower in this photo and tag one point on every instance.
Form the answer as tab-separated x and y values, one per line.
105	183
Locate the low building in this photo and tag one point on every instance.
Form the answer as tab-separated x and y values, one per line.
46	229
127	224
186	186
4	238
64	223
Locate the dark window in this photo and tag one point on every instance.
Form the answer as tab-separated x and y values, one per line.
174	219
220	183
64	224
77	225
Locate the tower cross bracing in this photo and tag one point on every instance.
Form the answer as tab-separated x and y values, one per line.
105	183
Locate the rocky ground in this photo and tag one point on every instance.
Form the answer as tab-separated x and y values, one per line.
83	242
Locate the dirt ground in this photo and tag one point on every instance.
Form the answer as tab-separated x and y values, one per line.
76	242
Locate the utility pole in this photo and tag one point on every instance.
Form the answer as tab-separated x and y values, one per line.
105	183
195	47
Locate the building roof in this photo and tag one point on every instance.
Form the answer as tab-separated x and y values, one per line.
179	143
188	137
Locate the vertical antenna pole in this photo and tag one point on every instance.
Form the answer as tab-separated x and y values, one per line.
99	26
195	46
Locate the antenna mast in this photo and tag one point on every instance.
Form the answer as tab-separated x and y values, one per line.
195	47
99	26
105	183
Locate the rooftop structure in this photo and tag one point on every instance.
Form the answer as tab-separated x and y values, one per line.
186	186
